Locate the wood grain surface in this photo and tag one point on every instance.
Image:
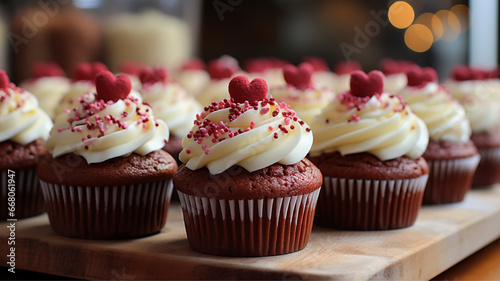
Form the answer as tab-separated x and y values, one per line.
442	236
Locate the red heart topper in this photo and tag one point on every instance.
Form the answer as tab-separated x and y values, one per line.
299	77
4	80
261	65
111	88
390	66
222	68
131	68
87	71
420	76
46	69
366	85
464	73
318	64
194	64
241	89
152	75
346	67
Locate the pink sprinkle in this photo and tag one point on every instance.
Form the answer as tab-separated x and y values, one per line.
252	124
355	117
188	151
265	110
214	140
60	129
86	147
282	105
67	111
287	121
308	129
271	128
204	147
207	151
79	129
275	135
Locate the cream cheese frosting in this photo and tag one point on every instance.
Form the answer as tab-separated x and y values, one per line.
99	130
395	83
479	100
71	98
252	136
444	116
382	125
307	103
172	104
21	119
48	91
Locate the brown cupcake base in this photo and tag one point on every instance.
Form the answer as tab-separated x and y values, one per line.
355	204
449	180
28	195
248	227
107	212
488	170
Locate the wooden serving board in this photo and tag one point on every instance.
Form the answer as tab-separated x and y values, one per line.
441	237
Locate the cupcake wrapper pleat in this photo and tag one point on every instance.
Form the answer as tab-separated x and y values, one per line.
28	196
356	204
250	227
488	170
109	212
449	180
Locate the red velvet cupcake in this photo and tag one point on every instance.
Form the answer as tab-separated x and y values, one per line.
23	129
108	177
451	156
245	187
368	146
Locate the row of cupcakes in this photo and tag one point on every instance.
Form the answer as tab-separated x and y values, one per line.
253	132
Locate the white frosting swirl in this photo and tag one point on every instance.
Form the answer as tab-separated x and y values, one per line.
193	80
394	83
215	90
21	119
48	91
70	99
306	103
383	126
479	100
324	79
342	83
172	104
99	131
444	116
258	137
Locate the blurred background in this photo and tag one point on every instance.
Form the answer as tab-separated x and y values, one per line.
432	33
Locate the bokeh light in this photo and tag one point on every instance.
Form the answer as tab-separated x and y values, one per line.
418	38
433	23
401	14
462	13
451	25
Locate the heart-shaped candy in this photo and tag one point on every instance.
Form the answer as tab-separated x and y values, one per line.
346	67
150	75
299	77
4	80
390	66
87	71
366	85
194	64
46	69
222	68
111	88
318	64
420	76
241	89
131	68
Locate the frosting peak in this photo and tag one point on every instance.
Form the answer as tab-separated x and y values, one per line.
99	129
21	119
252	136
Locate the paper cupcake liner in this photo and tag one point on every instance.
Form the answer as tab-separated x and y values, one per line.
449	180
109	212
355	204
27	194
249	227
488	170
